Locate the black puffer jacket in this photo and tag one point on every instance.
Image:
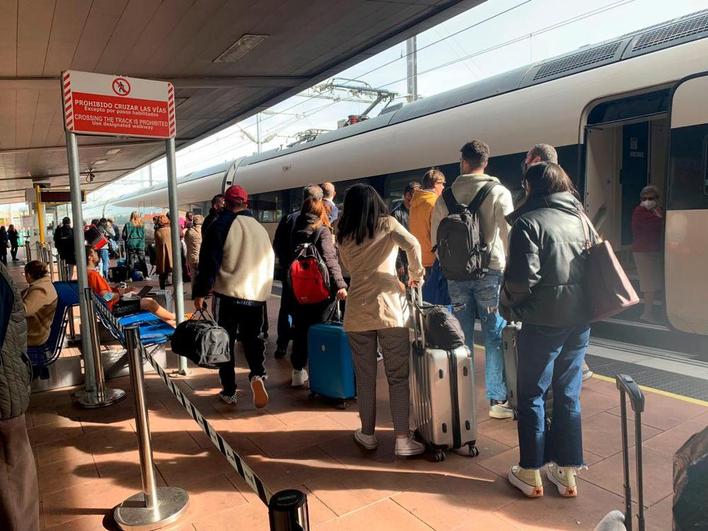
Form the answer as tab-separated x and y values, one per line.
546	264
324	241
15	370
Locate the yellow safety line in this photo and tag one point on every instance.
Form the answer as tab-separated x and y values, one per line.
688	399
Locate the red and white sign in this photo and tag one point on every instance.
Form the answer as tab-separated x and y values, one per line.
100	104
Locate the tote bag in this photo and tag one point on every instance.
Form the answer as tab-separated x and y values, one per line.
609	290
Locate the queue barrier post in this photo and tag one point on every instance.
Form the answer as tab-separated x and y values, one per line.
28	250
102	396
50	259
153	507
287	511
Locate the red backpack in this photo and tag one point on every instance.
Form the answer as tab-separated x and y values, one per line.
308	275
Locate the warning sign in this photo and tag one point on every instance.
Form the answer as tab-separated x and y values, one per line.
100	104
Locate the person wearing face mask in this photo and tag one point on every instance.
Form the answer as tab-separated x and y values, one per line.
647	233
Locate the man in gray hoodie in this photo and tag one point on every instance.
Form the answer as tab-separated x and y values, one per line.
481	296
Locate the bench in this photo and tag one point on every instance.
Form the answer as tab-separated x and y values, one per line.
42	356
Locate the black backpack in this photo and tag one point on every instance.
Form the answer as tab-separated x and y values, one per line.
202	341
461	248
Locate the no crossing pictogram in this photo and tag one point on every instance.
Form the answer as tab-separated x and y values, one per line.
121	86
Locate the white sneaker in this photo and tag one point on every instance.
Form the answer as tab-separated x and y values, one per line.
500	410
527	480
368	442
232	400
408	446
260	395
563	477
299	378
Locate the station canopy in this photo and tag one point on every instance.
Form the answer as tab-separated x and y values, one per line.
227	59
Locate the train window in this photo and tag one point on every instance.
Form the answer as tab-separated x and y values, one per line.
266	207
688	170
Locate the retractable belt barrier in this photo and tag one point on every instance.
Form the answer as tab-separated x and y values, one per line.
287	509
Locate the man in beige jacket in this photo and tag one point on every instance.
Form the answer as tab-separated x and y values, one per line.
481	296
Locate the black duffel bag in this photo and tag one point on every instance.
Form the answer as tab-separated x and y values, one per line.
202	341
442	329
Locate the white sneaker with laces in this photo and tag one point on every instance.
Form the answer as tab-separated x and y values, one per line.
527	480
563	477
299	378
407	446
368	442
500	410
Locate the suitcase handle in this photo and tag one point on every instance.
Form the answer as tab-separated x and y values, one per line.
628	387
415	296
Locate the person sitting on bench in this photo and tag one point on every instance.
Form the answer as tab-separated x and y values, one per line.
121	302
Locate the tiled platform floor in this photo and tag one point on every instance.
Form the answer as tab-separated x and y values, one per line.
88	461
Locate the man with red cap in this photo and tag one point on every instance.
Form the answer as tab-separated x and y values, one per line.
236	263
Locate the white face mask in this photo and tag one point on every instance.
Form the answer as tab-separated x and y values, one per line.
649	204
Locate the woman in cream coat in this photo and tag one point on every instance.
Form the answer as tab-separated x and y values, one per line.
376	313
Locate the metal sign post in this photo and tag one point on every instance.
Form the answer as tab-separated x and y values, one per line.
177	282
153	507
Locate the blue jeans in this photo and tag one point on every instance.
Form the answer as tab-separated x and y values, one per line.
481	297
105	260
551	357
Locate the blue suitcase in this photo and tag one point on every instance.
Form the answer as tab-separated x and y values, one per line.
330	362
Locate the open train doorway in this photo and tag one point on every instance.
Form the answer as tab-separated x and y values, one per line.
627	142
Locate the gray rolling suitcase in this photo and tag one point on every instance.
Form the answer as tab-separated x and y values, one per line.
443	393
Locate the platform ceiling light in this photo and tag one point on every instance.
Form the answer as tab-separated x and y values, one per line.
99	162
246	43
113	151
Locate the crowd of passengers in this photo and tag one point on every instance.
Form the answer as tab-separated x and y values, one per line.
536	272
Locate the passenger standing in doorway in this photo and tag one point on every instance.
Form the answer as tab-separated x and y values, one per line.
64	242
312	228
401	213
163	250
648	235
217	206
544	289
134	238
236	261
284	252
19	495
547	153
421	214
369	240
14	238
329	193
193	241
481	296
4	244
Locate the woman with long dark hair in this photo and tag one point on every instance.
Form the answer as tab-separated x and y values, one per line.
313	227
369	240
544	289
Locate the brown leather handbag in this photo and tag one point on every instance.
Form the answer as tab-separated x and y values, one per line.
609	290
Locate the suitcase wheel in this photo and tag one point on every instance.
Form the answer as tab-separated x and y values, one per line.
438	455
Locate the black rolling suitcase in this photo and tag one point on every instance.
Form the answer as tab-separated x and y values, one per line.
615	519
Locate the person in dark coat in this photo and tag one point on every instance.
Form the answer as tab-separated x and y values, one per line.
283	247
64	242
401	213
19	496
217	206
4	244
14	238
544	289
312	227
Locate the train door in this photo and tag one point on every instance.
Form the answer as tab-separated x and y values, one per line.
634	174
686	241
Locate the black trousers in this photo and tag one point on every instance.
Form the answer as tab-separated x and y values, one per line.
304	316
13	250
243	322
284	323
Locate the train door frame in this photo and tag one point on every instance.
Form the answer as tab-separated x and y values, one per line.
686	241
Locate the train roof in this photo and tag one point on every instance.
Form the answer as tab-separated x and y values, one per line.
654	38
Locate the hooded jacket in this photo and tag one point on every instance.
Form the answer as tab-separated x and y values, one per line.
420	221
544	280
15	369
496	206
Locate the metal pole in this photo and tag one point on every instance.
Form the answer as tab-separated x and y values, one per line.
287	511
50	259
625	464
102	396
640	471
72	152
153	507
412	68
28	250
176	244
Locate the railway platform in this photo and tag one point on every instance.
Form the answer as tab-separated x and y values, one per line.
88	463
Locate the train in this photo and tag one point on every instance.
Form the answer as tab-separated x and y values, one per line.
622	114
